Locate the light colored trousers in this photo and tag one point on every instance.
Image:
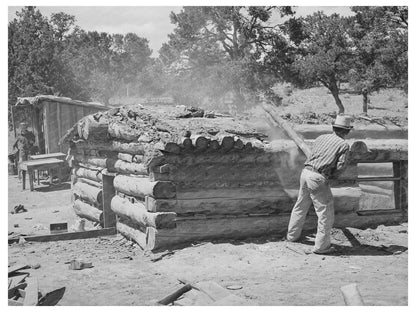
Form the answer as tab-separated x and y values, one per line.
314	189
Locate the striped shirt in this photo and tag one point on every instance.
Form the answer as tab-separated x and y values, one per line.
328	155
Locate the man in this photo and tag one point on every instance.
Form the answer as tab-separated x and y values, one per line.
24	143
328	159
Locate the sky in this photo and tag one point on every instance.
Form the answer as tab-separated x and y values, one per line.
151	22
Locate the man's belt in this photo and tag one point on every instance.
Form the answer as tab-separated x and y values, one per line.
310	168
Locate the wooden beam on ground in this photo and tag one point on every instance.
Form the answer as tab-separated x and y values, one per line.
175	295
67	236
32	289
351	294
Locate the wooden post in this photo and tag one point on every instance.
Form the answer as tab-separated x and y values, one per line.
58	117
109	217
404	185
396	174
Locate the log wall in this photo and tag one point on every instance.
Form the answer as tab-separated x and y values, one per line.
205	187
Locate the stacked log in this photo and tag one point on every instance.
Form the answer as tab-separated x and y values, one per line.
183	179
87	184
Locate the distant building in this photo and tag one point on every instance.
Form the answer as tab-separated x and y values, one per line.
51	117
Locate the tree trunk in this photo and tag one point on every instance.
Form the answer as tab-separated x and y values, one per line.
365	100
335	94
333	87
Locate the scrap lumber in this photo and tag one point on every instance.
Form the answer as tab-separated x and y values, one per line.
31	292
16	280
175	295
12	302
351	294
137	213
14	290
142	187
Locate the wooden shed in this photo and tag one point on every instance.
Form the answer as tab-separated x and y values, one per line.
50	117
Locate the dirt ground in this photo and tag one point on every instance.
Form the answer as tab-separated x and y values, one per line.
269	270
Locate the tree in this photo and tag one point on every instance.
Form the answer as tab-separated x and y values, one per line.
320	51
381	37
34	53
215	50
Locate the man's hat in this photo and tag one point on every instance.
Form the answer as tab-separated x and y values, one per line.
23	125
343	122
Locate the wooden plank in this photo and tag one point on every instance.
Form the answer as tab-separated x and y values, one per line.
12	302
175	295
46	126
41	164
67	236
12	291
233	300
57	155
32	290
53	124
59	120
351	294
213	290
109	217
